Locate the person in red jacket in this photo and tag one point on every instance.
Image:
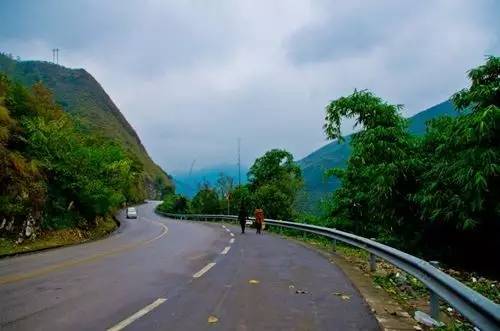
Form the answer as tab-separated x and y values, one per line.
259	220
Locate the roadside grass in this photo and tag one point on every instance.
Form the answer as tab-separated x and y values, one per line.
407	290
57	238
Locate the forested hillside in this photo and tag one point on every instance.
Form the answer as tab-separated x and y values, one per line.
54	172
79	94
335	154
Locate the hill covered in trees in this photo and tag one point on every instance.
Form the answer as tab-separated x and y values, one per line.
56	173
336	154
80	95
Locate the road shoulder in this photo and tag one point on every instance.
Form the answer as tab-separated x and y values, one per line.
389	314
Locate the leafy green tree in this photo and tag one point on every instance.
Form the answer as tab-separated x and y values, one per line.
274	181
175	204
463	183
92	175
241	195
460	185
439	194
181	205
374	198
205	201
22	186
161	187
55	171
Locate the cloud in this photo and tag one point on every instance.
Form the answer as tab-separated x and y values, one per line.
193	76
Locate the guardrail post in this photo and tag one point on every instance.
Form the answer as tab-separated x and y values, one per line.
434	298
373	260
334	243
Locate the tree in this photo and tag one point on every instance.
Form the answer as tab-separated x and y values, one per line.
225	189
95	176
460	185
205	201
224	185
241	195
274	181
54	172
175	204
437	195
22	185
374	198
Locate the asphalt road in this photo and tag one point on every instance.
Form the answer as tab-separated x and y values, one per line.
156	273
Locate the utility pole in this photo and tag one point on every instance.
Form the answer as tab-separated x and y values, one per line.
239	162
57	55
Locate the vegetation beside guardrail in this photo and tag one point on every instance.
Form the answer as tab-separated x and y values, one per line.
479	310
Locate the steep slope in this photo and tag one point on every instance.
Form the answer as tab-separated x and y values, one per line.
80	94
332	155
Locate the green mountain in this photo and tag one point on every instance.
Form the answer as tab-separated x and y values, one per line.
333	155
81	95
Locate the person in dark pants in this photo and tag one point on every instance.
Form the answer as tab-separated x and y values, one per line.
242	216
259	220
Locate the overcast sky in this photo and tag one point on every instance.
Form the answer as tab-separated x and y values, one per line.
193	76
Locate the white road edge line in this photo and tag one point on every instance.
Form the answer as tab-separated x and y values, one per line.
231	241
137	315
223	226
232	234
205	269
225	250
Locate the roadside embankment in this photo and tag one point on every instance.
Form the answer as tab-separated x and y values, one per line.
58	238
394	295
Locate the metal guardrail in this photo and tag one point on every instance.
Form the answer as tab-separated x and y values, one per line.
479	310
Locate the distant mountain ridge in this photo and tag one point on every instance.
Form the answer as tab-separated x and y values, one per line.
80	94
188	183
333	155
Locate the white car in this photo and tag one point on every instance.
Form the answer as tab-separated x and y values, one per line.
131	212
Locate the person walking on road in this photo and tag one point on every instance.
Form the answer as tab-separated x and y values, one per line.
259	220
242	216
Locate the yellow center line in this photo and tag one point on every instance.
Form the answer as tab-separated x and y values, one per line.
70	263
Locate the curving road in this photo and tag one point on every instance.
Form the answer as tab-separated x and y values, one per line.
156	273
